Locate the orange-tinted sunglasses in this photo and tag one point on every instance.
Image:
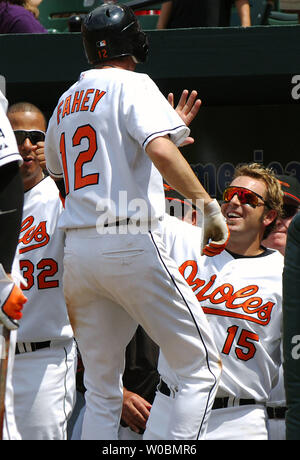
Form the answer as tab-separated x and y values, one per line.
245	196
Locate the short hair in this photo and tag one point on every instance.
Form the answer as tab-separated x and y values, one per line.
274	195
25	107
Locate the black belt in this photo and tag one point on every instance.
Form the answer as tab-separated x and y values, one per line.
276	412
27	347
221	403
117	223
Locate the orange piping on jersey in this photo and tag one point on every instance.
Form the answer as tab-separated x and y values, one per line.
62	199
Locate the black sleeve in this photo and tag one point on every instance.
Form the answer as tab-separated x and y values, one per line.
141	375
11	208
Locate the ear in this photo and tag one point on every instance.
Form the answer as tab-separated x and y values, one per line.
269	217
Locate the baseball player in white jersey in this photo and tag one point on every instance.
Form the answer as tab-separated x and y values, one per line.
140	374
110	138
45	361
240	290
11	297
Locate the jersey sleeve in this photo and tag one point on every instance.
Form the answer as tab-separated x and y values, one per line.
148	113
53	163
9	151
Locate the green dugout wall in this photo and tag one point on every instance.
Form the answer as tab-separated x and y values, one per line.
248	80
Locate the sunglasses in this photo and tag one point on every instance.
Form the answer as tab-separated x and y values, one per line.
245	196
34	135
289	211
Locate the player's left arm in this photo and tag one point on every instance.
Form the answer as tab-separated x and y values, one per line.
214	230
177	172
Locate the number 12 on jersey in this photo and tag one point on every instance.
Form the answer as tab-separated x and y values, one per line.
85	156
246	349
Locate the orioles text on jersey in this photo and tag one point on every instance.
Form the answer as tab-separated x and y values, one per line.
33	236
251	308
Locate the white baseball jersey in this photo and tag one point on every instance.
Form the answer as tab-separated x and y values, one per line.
108	175
242	298
8	146
41	249
96	140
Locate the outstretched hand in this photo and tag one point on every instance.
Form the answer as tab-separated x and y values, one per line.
187	108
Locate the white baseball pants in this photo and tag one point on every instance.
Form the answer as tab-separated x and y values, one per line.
10	431
125	433
112	283
45	390
238	423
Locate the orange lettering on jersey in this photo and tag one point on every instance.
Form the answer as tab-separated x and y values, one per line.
97	97
58	112
194	282
33	236
77	101
66	109
243	299
87	94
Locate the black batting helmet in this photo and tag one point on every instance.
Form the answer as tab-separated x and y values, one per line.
111	31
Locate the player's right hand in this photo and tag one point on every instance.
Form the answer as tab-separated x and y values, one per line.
216	232
12	300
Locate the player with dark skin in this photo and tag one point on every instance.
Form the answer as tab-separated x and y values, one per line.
31	170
